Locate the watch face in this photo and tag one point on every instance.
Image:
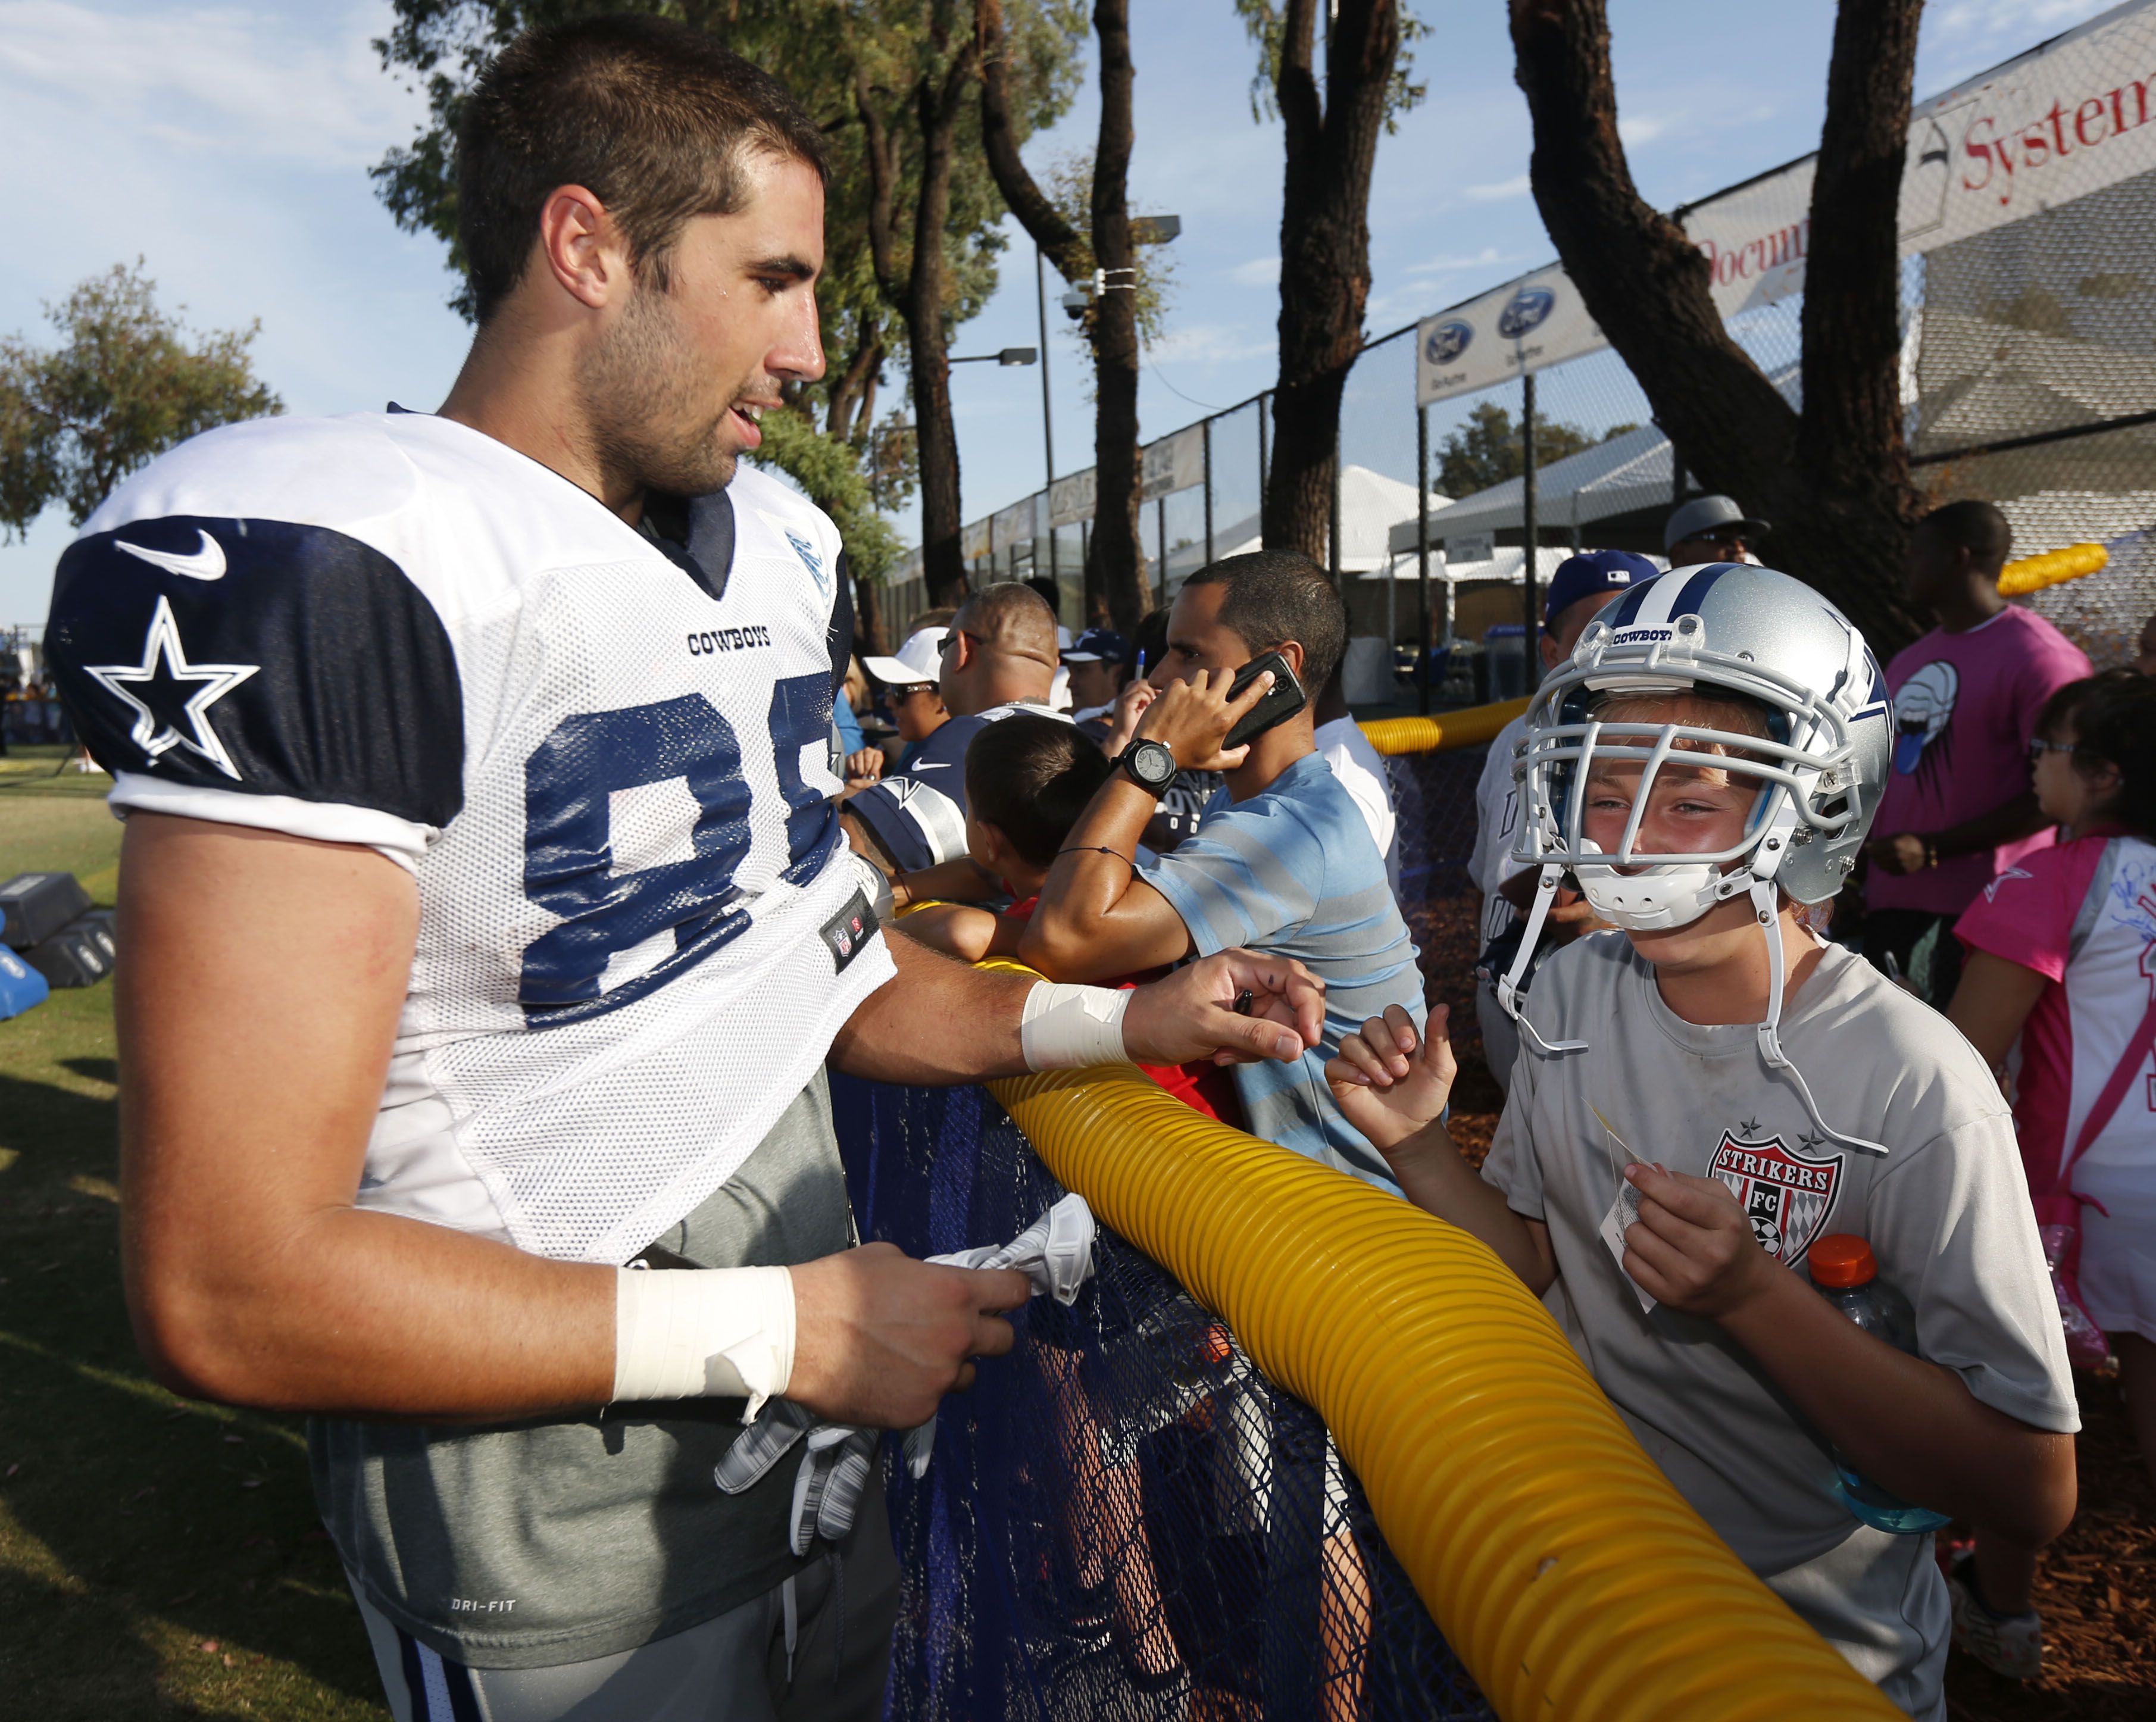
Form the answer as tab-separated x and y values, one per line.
1153	764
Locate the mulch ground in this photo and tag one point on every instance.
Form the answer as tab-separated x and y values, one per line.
2097	1589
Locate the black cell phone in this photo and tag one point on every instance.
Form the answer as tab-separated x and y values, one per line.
1282	702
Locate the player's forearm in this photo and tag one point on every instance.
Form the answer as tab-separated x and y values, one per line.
1431	1174
936	1023
370	1314
1911	1427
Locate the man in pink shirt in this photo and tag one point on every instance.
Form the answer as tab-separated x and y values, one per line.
1960	806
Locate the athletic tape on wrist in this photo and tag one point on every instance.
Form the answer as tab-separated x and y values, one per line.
1066	1028
705	1333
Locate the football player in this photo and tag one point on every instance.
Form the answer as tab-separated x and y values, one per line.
489	927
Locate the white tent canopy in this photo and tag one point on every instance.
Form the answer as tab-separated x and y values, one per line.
1373	509
1628	472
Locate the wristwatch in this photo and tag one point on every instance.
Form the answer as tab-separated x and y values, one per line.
1150	766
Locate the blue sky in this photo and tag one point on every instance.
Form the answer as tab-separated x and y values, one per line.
227	146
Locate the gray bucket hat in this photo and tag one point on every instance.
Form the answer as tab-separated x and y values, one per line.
1703	513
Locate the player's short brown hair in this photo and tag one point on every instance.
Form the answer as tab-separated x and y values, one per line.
1030	777
652	117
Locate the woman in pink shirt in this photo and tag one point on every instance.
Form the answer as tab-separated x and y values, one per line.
2060	988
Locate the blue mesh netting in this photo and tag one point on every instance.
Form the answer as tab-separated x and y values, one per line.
1124	1518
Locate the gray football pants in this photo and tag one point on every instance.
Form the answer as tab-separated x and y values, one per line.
734	1667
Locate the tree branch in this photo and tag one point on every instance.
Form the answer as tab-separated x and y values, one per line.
1852	434
882	154
1060	242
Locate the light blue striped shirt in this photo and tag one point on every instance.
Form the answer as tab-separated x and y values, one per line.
1293	871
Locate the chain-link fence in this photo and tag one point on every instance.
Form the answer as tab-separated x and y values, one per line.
2029	380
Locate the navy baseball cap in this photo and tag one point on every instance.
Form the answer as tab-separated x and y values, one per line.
1595	571
1094	645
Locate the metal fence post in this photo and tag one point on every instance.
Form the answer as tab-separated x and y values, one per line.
1332	536
1160	541
1422	556
1530	659
1205	445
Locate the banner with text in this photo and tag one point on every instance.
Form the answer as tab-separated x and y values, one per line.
2062	120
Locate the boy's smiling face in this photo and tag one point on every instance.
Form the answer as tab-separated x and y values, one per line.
1696	806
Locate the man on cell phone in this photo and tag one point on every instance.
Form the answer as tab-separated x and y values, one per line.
1282	861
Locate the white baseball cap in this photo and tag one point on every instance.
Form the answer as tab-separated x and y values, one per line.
919	659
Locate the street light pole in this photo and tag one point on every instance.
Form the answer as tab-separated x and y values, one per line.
1047	416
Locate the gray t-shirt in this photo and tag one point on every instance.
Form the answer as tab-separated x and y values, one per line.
533	1544
1945	1210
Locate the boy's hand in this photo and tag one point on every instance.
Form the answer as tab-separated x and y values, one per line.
1192	719
864	769
1389	1082
1130	706
957	930
1692	1247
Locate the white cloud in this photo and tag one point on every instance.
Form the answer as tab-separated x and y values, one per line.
1635	129
1209	343
1258	272
1486	258
1504	188
204	81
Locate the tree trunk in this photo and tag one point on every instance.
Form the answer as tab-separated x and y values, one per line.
1325	251
871	638
1851	445
1647	285
918	293
852	397
1117	555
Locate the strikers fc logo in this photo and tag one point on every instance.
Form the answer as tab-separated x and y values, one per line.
1787	1197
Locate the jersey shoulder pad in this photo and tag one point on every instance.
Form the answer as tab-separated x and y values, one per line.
268	656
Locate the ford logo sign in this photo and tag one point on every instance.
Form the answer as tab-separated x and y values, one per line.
1448	341
1528	309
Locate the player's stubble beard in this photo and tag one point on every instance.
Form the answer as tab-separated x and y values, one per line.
648	405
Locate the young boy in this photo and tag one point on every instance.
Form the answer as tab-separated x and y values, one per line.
1749	1105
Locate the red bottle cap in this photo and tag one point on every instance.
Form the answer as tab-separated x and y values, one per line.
1841	1259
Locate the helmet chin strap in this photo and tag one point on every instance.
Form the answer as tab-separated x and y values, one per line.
1768	909
1508	988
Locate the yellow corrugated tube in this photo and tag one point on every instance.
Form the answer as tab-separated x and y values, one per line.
1570	1578
1469	728
2028	574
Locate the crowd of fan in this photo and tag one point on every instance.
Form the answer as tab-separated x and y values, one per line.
1010	808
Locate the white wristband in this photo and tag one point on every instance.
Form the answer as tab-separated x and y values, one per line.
1067	1028
706	1333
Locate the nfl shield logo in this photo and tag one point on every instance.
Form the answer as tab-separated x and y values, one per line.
807	551
1785	1195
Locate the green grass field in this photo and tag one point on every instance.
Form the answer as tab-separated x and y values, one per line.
157	1558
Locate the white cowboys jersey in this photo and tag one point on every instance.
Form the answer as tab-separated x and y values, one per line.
639	926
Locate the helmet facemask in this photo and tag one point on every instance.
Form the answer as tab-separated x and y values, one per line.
1595	720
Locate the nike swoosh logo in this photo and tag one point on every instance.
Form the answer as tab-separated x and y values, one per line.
207	563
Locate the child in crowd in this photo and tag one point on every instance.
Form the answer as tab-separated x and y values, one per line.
1706	763
1028	779
2061	971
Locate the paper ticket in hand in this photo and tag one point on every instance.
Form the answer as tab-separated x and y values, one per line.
1624	1210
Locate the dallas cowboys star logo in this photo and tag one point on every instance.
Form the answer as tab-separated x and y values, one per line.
166	715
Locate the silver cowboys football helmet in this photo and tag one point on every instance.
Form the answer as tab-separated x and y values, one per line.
1722	628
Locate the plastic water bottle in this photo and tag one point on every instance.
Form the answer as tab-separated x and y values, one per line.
1846	1276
